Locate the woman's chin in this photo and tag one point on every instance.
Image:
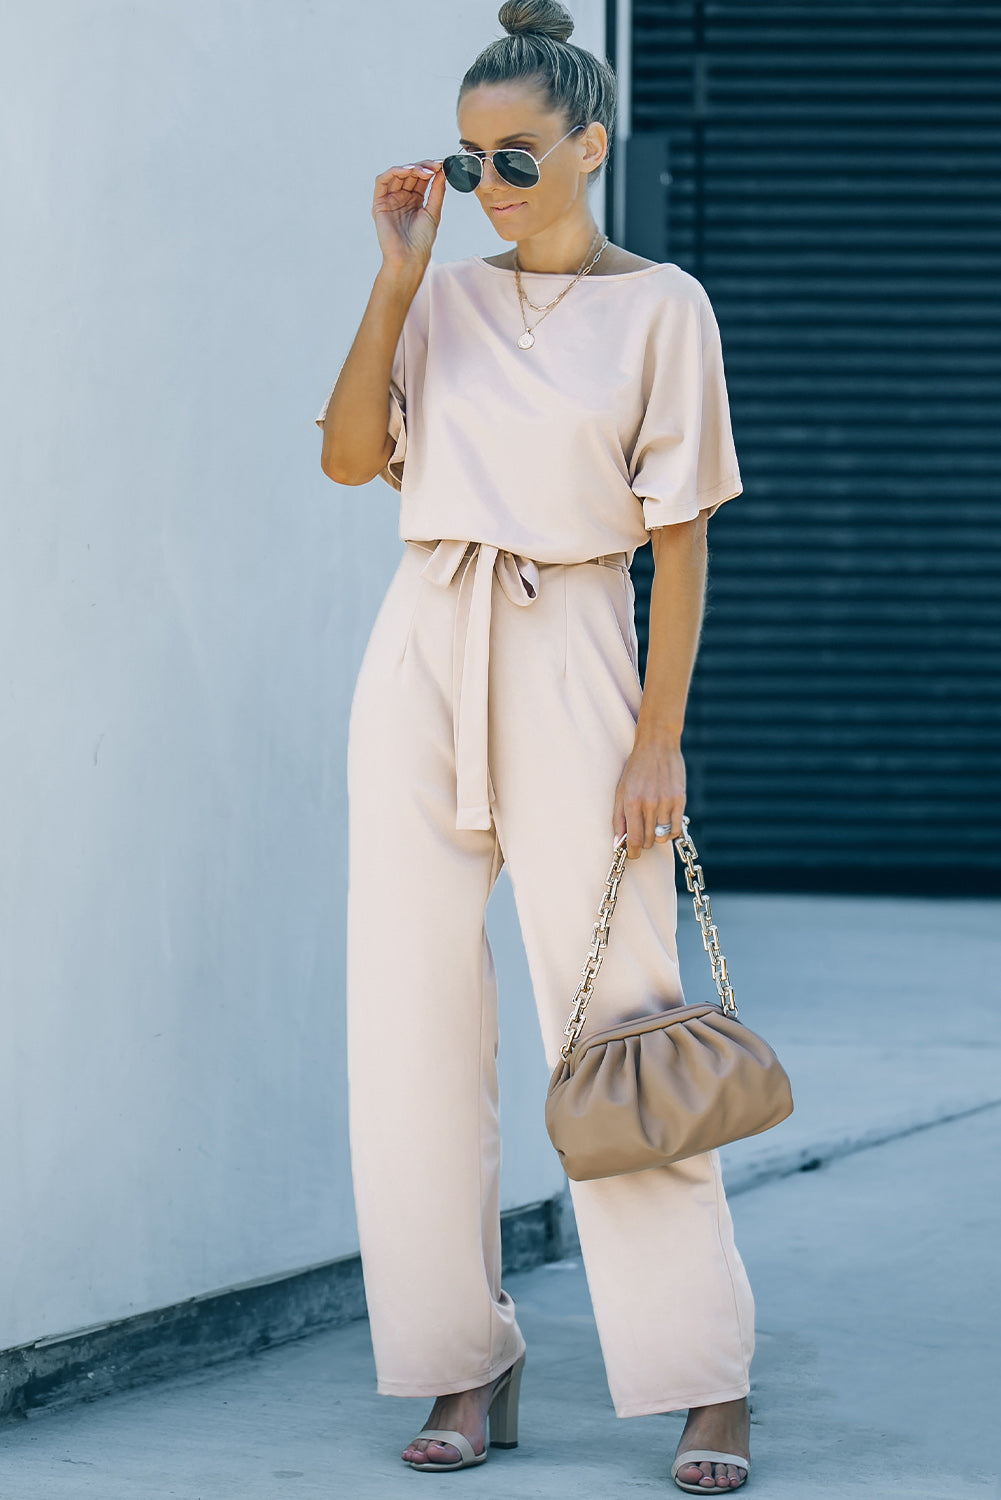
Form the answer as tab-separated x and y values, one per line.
509	227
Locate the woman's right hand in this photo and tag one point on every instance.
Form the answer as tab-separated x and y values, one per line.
406	226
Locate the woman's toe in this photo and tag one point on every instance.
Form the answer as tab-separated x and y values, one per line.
697	1474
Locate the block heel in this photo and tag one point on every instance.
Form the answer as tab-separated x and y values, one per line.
502	1425
503	1413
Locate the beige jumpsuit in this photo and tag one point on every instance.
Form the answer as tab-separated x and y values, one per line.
494	712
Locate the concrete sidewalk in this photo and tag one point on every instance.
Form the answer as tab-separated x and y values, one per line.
886	1013
875	1371
875	1274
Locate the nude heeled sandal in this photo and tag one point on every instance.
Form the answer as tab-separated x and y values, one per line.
502	1425
708	1455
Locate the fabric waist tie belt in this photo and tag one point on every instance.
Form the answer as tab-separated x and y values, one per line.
519	578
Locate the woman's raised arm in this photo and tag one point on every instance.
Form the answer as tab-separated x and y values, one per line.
356	441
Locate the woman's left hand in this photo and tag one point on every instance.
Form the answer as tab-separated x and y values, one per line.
651	790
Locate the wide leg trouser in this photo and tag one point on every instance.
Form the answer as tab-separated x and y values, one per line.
671	1298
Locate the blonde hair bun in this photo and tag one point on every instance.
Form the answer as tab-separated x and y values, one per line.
544	17
536	54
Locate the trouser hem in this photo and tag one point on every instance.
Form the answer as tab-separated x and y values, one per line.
445	1387
682	1403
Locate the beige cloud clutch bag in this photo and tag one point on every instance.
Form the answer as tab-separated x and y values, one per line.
662	1087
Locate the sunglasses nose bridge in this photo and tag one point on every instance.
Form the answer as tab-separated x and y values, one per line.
488	165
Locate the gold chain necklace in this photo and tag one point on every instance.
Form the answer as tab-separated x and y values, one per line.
527	339
546	305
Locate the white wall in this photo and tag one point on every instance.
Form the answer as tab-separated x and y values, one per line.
184	599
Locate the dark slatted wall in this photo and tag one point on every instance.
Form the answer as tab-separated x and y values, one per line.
836	186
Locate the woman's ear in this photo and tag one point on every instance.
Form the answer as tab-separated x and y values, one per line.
595	139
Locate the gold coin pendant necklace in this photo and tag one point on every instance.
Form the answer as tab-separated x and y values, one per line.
527	339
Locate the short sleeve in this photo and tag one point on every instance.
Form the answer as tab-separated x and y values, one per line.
411	350
683	460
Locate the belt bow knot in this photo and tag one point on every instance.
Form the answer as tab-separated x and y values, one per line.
519	578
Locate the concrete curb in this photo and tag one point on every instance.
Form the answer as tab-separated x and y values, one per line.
740	1177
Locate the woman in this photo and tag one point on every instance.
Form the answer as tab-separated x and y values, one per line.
549	410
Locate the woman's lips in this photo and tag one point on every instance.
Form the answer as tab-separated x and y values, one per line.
508	208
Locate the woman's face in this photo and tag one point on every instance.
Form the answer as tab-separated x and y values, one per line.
509	114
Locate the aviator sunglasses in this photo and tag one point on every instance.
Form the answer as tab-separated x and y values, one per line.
520	168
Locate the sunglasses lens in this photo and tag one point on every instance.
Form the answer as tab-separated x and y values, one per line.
517	168
462	171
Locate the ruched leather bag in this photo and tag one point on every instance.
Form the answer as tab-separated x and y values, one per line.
661	1087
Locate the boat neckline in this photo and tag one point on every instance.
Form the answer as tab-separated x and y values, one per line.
610	276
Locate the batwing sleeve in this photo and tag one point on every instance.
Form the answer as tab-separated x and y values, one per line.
683	460
408	366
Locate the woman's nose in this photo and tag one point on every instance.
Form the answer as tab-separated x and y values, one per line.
491	178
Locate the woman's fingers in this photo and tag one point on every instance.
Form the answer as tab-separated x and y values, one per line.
618	818
637	829
651	793
640	819
402	190
665	819
407	225
436	195
411	174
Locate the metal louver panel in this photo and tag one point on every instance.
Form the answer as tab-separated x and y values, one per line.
836	187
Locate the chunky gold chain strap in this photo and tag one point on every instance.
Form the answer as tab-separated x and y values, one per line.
687	853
